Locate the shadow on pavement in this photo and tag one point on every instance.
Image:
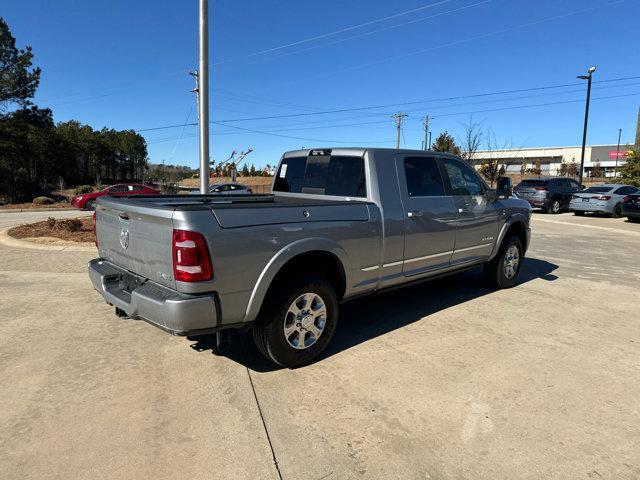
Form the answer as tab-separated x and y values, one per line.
369	317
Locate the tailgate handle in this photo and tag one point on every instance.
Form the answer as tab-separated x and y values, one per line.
123	216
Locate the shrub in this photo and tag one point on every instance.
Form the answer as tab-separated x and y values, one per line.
70	225
51	223
83	189
43	201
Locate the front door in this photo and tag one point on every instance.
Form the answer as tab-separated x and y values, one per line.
479	220
429	215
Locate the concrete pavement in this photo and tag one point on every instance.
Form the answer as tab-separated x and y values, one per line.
443	380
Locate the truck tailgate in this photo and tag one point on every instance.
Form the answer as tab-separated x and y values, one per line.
137	238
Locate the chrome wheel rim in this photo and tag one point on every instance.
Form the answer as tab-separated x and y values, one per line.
511	262
555	207
305	321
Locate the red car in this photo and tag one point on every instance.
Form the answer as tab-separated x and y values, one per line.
88	200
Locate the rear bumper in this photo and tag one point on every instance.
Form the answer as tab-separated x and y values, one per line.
537	202
581	206
174	312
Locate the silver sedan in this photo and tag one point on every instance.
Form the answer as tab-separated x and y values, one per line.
605	198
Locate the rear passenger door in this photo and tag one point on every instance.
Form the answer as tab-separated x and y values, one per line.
429	214
479	220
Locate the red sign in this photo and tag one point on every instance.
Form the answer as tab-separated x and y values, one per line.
615	154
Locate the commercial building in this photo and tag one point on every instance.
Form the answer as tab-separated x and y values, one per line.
550	159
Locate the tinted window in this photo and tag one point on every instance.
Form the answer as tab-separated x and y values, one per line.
598	190
463	180
574	184
118	189
423	177
322	175
533	183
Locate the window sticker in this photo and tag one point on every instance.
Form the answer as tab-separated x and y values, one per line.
283	170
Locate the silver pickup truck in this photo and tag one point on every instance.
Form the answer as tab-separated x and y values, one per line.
341	223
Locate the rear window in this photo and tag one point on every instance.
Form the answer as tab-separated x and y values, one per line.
322	175
533	183
598	189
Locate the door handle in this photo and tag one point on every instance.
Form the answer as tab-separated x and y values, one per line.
415	213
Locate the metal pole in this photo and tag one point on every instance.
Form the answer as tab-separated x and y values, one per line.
203	95
398	118
615	169
584	131
425	122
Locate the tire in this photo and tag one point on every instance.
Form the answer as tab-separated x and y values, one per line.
617	211
495	271
578	213
634	219
269	329
555	206
90	205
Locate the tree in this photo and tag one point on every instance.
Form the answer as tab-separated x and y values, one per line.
252	170
445	143
597	170
472	139
245	170
630	170
493	165
18	80
536	168
572	168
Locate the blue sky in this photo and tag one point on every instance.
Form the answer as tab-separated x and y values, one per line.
125	64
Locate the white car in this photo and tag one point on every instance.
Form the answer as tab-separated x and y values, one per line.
606	198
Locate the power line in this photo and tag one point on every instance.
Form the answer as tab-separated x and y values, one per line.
342	30
370	107
372	32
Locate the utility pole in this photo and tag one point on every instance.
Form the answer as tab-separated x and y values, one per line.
399	117
586	117
202	79
615	169
427	134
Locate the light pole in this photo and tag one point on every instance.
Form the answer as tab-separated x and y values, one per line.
203	94
615	169
586	117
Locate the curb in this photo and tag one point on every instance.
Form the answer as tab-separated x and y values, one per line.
9	241
596	227
19	210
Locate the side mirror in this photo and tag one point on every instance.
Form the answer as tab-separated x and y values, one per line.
504	187
492	195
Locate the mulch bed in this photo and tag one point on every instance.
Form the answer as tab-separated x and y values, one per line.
57	228
30	205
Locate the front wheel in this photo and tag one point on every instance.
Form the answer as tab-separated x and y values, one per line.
90	205
298	322
503	270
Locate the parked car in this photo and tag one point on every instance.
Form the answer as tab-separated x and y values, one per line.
606	198
631	207
87	201
341	223
231	189
552	195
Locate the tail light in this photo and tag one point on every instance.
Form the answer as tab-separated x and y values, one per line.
191	260
626	199
541	189
601	197
95	235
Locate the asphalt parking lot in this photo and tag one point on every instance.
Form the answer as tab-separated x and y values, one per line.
443	380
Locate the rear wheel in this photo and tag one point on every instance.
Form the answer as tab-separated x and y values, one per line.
297	324
90	205
503	270
555	206
617	211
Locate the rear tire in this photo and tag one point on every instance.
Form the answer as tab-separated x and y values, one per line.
503	270
617	211
281	335
555	206
90	205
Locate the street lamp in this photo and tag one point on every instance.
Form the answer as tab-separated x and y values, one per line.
586	117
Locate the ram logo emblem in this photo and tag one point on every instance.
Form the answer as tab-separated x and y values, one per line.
124	238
